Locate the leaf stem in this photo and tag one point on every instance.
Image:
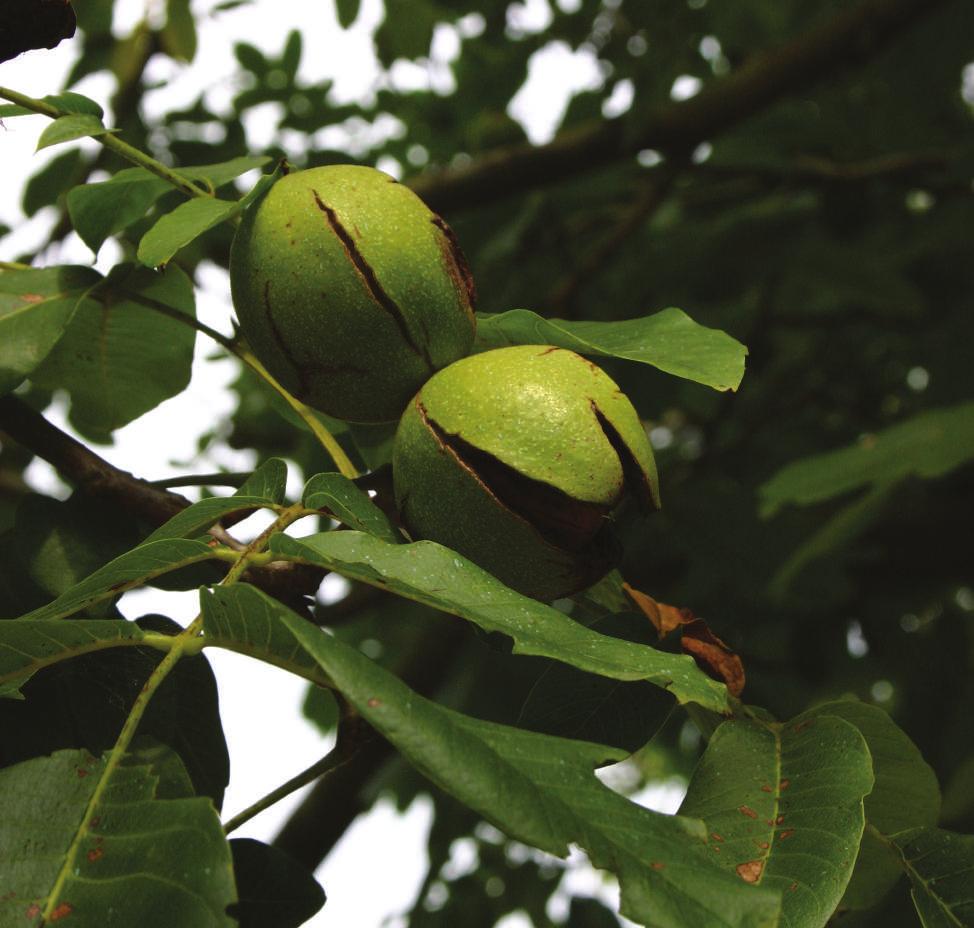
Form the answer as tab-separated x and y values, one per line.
307	414
189	641
255	549
181	644
112	142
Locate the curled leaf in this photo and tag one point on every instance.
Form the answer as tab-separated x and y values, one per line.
712	655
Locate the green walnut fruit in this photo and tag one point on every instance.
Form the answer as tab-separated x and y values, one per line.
518	458
350	291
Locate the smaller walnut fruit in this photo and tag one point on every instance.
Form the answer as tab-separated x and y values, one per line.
517	458
350	291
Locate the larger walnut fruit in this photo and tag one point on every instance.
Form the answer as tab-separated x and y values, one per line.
350	291
518	459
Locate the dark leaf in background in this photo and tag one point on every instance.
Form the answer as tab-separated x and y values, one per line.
29	24
83	702
274	891
568	702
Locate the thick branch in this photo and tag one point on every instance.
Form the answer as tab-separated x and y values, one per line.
847	39
142	500
89	473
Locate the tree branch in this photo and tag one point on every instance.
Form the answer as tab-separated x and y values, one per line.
847	39
85	469
151	504
597	259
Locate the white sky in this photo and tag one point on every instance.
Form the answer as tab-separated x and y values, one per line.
376	869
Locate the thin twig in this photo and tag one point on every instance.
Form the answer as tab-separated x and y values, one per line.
112	142
352	732
598	259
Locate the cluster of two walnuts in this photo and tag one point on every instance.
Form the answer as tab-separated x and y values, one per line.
358	300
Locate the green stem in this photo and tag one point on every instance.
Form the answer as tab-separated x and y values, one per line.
113	143
13	266
332	760
352	731
190	641
225	479
307	414
255	549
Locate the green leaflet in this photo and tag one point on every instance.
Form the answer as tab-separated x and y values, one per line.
190	220
940	865
784	808
35	306
905	795
929	444
71	127
264	489
669	340
434	575
125	572
142	357
537	788
26	647
349	505
135	856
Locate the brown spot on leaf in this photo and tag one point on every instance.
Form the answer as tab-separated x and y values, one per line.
786	834
716	836
32	297
748	811
801	726
33	911
750	872
784	784
763	845
62	911
96	853
82	773
779	820
374	703
96	821
657	865
793	887
765	788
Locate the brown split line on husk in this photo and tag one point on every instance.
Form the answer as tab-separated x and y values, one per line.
569	524
456	262
371	282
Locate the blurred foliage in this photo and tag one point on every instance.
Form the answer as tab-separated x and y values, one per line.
830	233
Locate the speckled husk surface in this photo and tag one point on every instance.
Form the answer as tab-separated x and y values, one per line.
350	290
517	458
